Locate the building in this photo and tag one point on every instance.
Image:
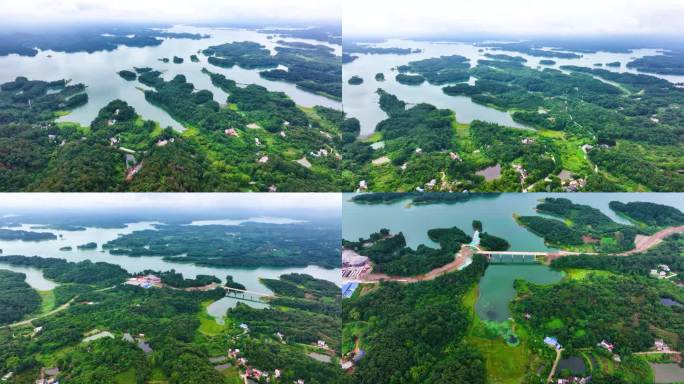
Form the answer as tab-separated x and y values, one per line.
147	281
552	342
231	132
606	345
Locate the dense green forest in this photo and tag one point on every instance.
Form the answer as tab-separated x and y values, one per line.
414	333
17	298
584	227
246	245
390	255
86	38
17	234
314	68
593	129
117	333
626	310
668	253
292	148
651	214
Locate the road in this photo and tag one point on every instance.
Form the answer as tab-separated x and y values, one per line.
559	352
29	321
460	258
46	314
644	243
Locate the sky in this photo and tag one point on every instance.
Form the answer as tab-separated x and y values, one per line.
14	202
426	18
170	11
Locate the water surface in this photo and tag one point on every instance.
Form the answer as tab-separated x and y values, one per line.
98	71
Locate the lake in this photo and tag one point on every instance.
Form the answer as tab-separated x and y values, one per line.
496	213
361	101
98	71
494	210
50	248
496	287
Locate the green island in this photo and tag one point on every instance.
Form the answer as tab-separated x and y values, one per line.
249	245
589	129
607	318
16	234
355	80
314	68
101	324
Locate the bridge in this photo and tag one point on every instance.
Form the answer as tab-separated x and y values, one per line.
246	295
500	257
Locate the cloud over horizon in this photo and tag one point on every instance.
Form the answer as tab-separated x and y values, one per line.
384	18
170	11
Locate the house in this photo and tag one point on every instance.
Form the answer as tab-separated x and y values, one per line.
144	347
552	342
257	142
127	337
277	373
586	148
321	344
660	346
419	150
454	156
280	336
273	188
606	345
430	184
113	141
244	327
282	134
161	143
231	132
263	160
528	140
362	186
346	364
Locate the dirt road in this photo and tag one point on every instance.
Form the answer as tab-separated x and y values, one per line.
644	243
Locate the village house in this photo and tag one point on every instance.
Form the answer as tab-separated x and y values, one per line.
263	160
606	345
321	344
362	186
454	156
528	140
231	132
552	342
272	188
257	142
661	346
282	134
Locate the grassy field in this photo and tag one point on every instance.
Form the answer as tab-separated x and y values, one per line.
48	301
505	364
208	325
125	377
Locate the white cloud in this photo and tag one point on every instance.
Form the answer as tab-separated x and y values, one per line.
386	18
262	201
32	11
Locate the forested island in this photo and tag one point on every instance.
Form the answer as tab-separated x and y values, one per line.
248	245
86	38
314	68
96	326
588	229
